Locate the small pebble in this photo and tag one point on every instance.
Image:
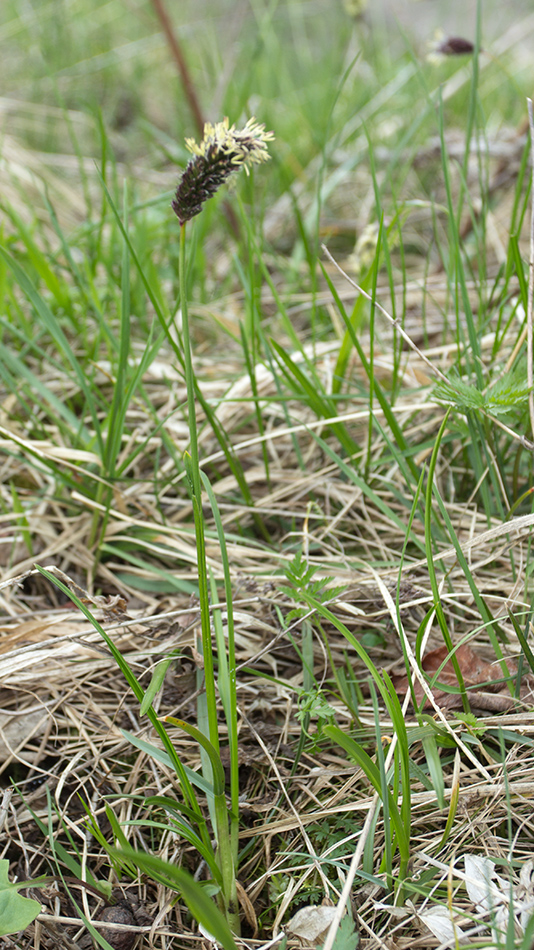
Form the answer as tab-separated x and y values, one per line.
118	914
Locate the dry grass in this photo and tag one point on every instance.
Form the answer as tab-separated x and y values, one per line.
64	703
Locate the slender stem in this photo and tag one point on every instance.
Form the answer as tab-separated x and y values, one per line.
188	369
193	468
530	320
224	854
179	58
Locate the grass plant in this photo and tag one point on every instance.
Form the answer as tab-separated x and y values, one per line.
269	462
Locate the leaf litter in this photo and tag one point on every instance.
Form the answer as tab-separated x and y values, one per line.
56	662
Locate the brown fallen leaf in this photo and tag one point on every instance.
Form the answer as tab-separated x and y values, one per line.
494	695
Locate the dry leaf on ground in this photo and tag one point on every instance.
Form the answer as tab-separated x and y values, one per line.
493	696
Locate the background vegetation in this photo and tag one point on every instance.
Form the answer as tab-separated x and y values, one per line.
365	437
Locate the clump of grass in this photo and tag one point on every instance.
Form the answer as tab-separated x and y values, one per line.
222	152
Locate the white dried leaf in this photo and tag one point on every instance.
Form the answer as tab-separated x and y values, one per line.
524	894
439	922
311	924
526	877
395	911
485	887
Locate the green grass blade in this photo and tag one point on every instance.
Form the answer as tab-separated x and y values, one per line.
198	736
372	772
161	756
49	321
440	615
136	688
201	906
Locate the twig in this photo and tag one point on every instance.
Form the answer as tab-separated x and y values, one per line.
176	50
190	93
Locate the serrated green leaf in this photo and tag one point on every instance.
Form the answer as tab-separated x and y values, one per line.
509	392
347	937
459	394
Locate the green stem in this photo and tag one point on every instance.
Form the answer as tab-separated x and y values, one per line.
189	374
224	848
193	470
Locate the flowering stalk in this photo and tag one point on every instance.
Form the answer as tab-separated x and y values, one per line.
222	152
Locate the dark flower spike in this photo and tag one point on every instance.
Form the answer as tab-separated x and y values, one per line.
222	151
456	46
443	46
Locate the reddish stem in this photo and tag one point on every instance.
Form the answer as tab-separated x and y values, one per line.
176	50
190	91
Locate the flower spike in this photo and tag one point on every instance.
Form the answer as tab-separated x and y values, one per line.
222	151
